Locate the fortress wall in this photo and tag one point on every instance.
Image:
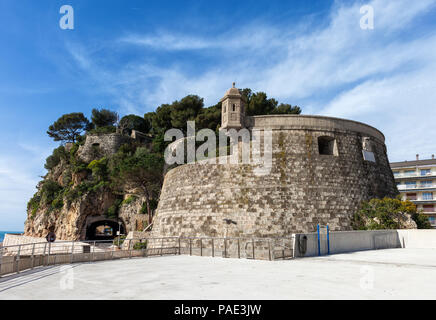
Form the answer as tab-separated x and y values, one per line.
97	146
306	122
303	189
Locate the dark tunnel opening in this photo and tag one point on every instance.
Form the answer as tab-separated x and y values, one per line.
104	230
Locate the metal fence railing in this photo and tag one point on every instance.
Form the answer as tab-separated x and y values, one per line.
17	258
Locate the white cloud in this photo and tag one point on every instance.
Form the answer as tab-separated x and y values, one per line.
19	175
334	68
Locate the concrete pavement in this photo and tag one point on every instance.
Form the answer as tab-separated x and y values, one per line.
380	274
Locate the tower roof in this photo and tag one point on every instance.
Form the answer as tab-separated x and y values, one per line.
233	91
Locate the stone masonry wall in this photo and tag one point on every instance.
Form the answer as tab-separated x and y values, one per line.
97	146
303	189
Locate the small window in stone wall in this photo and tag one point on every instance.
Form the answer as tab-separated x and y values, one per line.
327	146
96	145
367	149
368	156
234	107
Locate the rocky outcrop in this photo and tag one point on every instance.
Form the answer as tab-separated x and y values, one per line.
70	200
69	223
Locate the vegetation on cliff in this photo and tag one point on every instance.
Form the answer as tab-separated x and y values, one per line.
388	213
135	166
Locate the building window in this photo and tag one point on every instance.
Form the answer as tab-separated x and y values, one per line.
427	196
410	184
396	173
428	208
411	196
327	146
432	220
426	183
425	172
410	173
225	108
234	107
368	156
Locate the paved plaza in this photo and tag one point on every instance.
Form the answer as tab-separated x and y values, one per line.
380	274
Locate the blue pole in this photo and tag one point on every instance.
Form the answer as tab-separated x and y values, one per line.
319	245
328	240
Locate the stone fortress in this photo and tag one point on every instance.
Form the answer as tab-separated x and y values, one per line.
322	169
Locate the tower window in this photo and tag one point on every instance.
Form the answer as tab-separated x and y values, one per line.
327	146
234	107
225	107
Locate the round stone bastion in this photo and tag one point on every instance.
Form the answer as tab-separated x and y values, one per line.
322	170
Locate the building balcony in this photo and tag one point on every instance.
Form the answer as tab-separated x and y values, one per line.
415	175
415	187
428	213
423	201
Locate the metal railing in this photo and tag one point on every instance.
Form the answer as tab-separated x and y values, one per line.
414	175
415	186
17	258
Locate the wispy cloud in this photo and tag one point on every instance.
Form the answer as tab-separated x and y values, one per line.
334	68
20	172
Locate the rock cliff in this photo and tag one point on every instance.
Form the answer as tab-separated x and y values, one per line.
78	193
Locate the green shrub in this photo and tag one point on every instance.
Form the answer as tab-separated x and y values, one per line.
33	205
74	149
99	168
140	245
112	211
120	239
53	160
57	203
129	200
153	206
144	208
421	221
387	213
78	166
49	191
103	130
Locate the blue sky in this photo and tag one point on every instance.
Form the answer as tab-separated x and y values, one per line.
132	56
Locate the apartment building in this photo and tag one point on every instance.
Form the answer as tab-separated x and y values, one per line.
416	181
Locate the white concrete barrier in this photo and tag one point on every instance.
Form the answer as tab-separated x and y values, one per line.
418	239
350	241
346	241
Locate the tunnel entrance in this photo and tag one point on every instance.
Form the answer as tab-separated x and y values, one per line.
104	230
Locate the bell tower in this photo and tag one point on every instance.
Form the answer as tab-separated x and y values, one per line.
232	109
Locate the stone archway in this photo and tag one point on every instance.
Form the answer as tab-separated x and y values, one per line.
103	228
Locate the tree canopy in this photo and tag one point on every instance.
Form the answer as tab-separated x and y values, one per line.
68	127
142	169
134	122
104	118
259	104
